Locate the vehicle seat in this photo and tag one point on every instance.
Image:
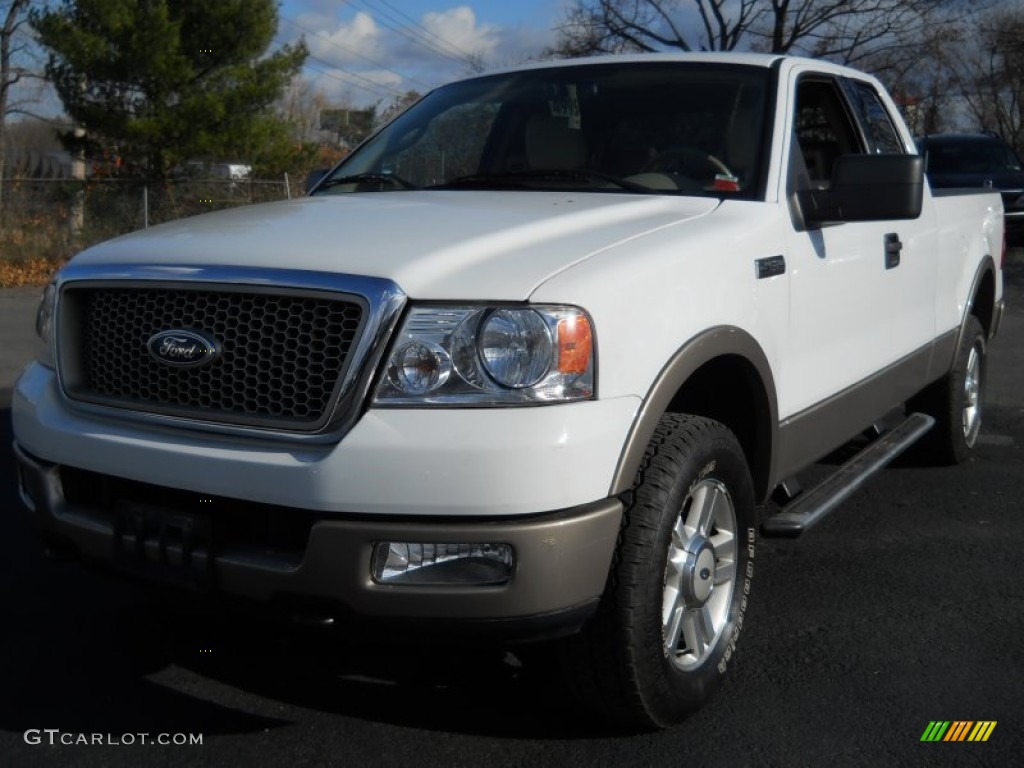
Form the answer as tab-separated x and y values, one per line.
819	157
551	144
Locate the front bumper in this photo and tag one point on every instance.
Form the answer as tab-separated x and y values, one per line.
562	558
427	462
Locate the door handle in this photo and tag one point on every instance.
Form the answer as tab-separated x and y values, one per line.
893	248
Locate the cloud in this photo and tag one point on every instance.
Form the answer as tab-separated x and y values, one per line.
458	27
349	88
520	44
365	57
348	42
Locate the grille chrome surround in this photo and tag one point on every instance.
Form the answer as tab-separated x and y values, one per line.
299	348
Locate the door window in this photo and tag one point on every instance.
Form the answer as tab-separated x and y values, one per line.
824	129
878	125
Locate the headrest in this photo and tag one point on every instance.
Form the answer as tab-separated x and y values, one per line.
551	143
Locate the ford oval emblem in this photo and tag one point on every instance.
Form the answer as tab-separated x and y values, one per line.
184	349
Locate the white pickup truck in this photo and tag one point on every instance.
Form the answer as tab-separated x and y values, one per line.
528	363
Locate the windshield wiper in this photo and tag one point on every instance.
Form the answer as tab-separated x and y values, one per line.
359	178
512	179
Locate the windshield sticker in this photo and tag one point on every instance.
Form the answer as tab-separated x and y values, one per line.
726	183
569	108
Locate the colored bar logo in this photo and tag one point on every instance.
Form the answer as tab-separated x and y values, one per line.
959	730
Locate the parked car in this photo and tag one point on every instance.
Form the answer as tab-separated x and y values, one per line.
204	171
960	160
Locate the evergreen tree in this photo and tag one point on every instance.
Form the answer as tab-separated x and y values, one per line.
163	82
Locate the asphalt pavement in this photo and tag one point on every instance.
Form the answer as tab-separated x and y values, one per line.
903	608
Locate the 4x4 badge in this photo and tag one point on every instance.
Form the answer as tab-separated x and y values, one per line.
182	348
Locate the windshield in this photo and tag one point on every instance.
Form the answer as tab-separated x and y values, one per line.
666	128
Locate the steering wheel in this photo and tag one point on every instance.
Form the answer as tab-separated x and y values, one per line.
686	161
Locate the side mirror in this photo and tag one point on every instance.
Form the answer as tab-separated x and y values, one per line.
867	188
313	178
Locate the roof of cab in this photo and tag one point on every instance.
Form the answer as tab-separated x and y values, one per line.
708	57
765	60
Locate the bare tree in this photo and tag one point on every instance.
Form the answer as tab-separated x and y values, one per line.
388	112
926	96
989	75
920	75
616	26
848	31
300	106
13	17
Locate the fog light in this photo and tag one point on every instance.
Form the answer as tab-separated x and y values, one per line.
396	562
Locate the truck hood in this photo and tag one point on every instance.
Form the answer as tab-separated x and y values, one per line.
434	245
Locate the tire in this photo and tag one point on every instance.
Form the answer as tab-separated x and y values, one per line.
674	603
955	401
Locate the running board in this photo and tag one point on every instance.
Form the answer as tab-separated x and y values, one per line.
811	506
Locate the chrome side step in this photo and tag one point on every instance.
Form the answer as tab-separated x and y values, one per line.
811	506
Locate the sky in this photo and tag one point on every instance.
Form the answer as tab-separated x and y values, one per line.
364	52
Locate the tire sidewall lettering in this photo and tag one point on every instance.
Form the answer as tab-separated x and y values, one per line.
741	610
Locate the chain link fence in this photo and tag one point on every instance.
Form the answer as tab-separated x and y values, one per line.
53	219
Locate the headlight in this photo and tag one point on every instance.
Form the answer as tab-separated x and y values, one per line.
514	355
417	368
515	347
44	325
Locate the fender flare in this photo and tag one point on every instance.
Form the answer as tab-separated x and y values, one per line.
986	267
701	349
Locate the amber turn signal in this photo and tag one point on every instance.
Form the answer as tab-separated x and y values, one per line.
575	344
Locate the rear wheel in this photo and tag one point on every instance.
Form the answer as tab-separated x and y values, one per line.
676	595
955	401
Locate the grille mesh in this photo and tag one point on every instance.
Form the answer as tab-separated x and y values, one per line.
281	361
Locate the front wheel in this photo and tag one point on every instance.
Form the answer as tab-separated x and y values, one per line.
673	607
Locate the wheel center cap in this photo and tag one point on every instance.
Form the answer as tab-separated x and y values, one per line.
699	573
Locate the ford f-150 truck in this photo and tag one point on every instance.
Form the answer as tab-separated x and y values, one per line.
530	361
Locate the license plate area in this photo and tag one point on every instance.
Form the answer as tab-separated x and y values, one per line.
164	544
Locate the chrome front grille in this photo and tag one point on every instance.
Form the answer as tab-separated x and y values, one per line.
282	357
